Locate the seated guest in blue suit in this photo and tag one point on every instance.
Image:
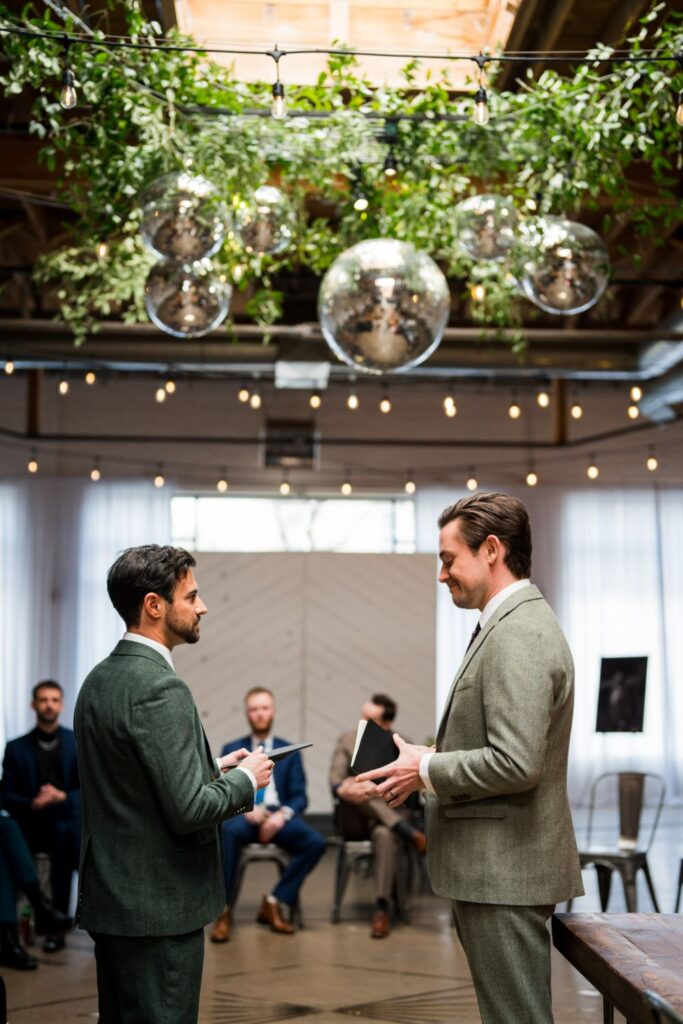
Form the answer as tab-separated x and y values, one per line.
41	790
276	818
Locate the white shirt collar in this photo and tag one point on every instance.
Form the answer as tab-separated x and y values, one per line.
497	600
138	638
267	743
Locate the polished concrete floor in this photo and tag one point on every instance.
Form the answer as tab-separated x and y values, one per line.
325	973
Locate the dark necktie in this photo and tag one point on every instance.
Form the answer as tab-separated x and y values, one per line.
475	634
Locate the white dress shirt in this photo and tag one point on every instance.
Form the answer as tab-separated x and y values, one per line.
486	615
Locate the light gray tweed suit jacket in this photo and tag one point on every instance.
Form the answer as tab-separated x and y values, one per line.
151	857
499	828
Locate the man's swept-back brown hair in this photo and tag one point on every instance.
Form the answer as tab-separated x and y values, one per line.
481	515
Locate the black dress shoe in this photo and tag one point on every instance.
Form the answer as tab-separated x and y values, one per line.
49	920
12	953
53	943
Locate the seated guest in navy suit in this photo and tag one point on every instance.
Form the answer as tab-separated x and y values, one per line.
41	791
275	818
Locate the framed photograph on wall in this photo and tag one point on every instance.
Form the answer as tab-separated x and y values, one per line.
621	697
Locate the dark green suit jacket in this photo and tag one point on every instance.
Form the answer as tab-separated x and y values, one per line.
152	800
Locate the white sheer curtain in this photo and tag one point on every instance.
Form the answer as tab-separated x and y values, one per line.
113	517
57	539
611	564
14	611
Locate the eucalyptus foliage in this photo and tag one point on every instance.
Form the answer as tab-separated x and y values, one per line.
565	141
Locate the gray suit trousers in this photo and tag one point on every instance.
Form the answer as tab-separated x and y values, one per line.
508	950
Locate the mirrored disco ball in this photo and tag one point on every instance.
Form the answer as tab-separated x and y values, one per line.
383	306
265	222
567	269
486	226
186	300
183	217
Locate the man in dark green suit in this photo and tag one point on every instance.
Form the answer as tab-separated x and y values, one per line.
500	840
153	797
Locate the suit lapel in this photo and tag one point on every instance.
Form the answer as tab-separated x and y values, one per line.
530	593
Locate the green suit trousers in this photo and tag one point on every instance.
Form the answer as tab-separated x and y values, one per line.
149	979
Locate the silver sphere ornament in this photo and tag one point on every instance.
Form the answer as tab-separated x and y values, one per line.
186	300
486	226
183	217
567	268
383	306
265	223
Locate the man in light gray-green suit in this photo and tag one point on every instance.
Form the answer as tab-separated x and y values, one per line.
500	840
150	872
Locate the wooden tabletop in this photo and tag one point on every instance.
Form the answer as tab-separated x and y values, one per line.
623	955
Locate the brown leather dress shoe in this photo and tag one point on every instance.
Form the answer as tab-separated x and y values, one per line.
221	928
381	925
269	913
419	841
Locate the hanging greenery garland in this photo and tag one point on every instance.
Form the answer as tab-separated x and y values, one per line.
558	144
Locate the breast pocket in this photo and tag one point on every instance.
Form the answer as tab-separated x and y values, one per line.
464	684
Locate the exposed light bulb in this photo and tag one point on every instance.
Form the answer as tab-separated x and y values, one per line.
346	488
159	480
514	410
679	111
101	251
222	485
361	203
480	115
531	478
592	472
478	292
633	412
352	402
472	483
390	167
160	395
243	394
278	107
32	465
410	487
9	367
652	463
284	487
68	97
636	393
315	401
385	405
170	387
95	474
449	406
576	411
63	386
255	400
543	399
90	377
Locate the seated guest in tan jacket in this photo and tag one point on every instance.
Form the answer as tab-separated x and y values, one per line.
361	815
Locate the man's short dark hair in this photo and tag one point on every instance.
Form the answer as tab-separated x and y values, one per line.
389	705
148	569
481	515
258	689
46	684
